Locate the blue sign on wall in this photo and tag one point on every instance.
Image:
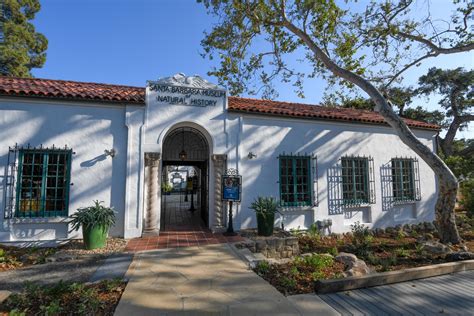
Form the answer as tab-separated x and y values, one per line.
231	188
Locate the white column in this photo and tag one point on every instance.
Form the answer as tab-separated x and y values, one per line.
219	162
152	163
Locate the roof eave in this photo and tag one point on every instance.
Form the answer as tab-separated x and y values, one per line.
315	118
71	99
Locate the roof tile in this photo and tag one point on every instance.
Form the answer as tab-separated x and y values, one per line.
309	111
88	91
71	90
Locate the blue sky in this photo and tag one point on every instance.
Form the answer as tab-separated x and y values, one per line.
129	42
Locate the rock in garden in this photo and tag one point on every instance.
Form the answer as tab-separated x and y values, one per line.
347	259
260	245
436	248
4	295
461	255
358	268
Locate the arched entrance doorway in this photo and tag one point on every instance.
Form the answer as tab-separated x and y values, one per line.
185	180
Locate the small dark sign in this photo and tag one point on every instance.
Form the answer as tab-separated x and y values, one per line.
231	188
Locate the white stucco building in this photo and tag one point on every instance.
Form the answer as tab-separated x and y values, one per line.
64	144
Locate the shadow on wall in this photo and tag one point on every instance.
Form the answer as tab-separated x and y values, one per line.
93	161
85	129
303	139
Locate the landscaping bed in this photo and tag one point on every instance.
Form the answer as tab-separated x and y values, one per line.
12	258
65	298
362	252
297	276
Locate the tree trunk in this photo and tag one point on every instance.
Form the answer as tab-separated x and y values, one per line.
447	180
445	218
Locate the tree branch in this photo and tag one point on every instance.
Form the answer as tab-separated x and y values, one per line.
436	48
408	66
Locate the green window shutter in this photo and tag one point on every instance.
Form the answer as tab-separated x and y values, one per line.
358	184
43	182
405	180
295	180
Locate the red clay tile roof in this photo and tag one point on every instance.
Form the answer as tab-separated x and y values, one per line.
86	91
309	111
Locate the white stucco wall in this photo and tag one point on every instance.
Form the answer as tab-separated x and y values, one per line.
269	137
90	128
87	128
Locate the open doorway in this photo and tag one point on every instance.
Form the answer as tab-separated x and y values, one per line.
185	177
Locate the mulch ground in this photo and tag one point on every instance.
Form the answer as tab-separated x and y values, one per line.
66	298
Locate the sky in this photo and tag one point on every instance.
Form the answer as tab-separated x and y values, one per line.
128	42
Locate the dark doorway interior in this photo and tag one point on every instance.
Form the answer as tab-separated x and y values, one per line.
184	196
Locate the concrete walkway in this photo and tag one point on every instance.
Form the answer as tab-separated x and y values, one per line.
207	280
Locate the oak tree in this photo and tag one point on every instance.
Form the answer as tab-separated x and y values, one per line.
257	41
456	87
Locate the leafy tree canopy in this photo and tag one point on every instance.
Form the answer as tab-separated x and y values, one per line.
422	114
461	161
379	42
21	47
257	41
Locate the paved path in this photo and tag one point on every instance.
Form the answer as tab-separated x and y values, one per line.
451	294
179	238
207	280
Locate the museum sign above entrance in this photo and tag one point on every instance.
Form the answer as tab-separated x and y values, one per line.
186	91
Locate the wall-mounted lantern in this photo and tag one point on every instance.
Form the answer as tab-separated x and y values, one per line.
251	155
110	152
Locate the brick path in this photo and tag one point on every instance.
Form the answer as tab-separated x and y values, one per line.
178	239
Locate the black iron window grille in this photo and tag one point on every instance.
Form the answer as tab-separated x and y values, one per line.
297	188
38	180
358	180
405	180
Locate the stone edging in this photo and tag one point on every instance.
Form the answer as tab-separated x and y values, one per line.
251	258
383	278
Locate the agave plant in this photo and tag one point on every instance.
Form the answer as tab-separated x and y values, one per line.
265	206
93	216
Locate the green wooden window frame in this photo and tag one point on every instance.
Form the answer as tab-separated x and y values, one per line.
43	183
405	180
355	180
295	180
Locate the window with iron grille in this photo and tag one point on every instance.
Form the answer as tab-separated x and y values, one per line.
357	180
295	180
42	186
405	179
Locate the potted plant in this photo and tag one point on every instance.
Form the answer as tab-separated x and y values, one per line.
95	221
265	209
166	188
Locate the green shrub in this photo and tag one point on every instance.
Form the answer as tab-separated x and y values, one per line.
262	268
333	251
313	231
316	261
288	283
467	191
401	252
388	263
361	238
